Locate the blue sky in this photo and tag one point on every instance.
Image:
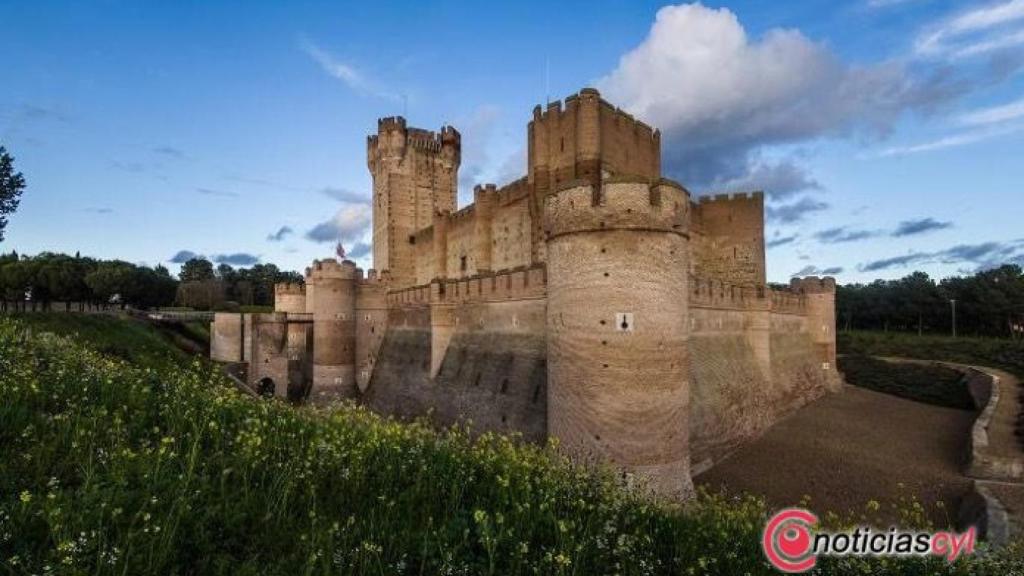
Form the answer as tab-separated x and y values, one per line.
888	134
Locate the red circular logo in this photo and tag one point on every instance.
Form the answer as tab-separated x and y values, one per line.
787	540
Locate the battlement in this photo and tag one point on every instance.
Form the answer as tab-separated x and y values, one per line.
558	108
393	132
391	123
734	197
813	285
516	284
331	269
787	302
372	277
710	293
289	288
620	203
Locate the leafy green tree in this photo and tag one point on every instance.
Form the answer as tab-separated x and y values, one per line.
12	184
197	270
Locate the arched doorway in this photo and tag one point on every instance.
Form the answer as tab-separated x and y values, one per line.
265	387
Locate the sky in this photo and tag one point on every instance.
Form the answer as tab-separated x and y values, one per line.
888	135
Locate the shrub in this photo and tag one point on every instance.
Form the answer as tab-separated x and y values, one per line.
113	468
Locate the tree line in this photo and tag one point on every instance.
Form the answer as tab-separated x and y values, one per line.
207	288
41	280
47	278
988	303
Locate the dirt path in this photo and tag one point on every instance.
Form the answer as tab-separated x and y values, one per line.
854	447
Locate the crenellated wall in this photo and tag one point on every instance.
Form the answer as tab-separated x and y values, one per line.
728	238
485	363
591	301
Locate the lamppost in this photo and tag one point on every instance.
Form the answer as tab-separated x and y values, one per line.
952	302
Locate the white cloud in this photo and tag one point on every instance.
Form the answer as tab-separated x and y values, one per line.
954	140
349	223
717	94
965	35
345	72
993	115
477	132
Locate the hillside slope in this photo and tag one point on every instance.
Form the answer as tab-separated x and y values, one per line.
112	468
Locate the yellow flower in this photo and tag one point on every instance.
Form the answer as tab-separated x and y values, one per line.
25	497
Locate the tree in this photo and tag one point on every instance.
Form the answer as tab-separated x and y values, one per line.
197	270
12	184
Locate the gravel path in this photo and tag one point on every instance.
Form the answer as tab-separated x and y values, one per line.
847	449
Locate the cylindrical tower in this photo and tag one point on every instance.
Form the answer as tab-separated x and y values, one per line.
617	317
334	329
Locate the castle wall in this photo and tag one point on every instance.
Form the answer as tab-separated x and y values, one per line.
371	325
226	337
728	239
492	361
507	236
753	362
269	353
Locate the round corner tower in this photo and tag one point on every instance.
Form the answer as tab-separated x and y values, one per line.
334	328
617	321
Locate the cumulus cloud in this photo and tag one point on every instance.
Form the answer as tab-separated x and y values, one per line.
183	256
282	233
844	234
793	212
914	227
348	224
236	259
718	94
811	270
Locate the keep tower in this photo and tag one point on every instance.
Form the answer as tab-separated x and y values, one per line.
415	175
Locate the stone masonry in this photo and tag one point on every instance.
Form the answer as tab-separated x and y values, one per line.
591	300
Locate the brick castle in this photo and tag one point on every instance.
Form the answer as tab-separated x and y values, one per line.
591	300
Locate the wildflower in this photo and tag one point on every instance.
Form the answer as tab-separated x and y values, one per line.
25	497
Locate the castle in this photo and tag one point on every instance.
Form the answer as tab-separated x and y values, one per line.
591	300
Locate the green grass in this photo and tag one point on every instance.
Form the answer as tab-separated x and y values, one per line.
993	352
111	468
129	339
926	383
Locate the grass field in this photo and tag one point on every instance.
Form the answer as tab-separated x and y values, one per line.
115	468
137	341
928	383
994	352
